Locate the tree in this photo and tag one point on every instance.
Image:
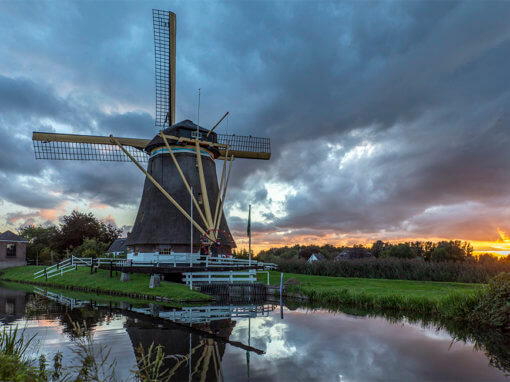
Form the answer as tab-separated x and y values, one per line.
78	226
40	240
91	248
402	251
377	248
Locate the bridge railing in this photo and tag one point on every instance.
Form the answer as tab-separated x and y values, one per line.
231	277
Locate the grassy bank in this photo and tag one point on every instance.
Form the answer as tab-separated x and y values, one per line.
427	297
101	282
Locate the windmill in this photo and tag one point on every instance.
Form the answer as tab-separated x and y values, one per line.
180	177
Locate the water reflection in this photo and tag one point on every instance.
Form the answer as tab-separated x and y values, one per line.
251	342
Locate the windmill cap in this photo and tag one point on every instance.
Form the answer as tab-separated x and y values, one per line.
180	129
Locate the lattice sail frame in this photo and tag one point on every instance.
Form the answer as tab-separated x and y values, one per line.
56	146
164	48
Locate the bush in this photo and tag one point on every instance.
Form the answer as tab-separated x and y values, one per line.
494	307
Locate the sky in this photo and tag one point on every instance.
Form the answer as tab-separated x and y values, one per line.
388	120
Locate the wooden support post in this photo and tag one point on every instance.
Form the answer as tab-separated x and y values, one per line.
46	274
224	194
158	186
184	179
91	265
205	197
111	268
221	188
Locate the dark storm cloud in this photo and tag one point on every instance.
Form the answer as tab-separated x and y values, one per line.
381	114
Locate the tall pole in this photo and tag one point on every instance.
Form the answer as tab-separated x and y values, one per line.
198	115
249	236
191	230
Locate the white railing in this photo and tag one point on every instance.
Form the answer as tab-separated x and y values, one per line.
249	276
72	264
188	259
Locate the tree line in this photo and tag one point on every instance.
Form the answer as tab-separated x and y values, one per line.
441	251
78	234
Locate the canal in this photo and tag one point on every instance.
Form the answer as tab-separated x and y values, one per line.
255	340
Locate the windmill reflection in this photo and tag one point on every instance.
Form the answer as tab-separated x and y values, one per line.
193	338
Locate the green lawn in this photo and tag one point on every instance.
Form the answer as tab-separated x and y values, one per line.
418	296
101	280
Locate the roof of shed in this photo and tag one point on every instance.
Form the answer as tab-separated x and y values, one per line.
10	236
119	245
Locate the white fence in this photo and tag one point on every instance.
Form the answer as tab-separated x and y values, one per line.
72	264
213	277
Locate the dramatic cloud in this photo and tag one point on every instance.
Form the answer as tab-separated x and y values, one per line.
387	120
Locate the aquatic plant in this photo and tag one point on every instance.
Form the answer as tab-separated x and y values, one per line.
94	362
13	342
150	364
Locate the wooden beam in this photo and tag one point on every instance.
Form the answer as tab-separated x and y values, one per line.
205	197
158	186
184	179
219	192
93	139
217	123
224	194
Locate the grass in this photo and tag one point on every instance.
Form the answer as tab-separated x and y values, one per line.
444	298
101	282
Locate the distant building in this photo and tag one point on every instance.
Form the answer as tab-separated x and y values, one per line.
353	253
118	247
13	250
316	257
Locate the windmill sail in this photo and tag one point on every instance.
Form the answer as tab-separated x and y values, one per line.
86	147
100	148
164	46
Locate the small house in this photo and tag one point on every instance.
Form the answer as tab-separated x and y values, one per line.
118	247
353	253
316	257
13	250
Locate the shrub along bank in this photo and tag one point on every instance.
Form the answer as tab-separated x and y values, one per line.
400	269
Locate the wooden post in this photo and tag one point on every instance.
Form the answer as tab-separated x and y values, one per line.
205	197
221	187
111	268
91	265
45	274
224	193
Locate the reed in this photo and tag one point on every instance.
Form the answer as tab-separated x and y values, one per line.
398	269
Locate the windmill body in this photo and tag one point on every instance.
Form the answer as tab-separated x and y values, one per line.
181	167
159	226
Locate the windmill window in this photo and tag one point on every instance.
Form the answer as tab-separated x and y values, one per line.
141	217
11	250
165	251
194	135
152	166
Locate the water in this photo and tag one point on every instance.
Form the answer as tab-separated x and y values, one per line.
306	345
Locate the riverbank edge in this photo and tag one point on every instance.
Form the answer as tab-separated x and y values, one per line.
112	292
456	305
137	296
